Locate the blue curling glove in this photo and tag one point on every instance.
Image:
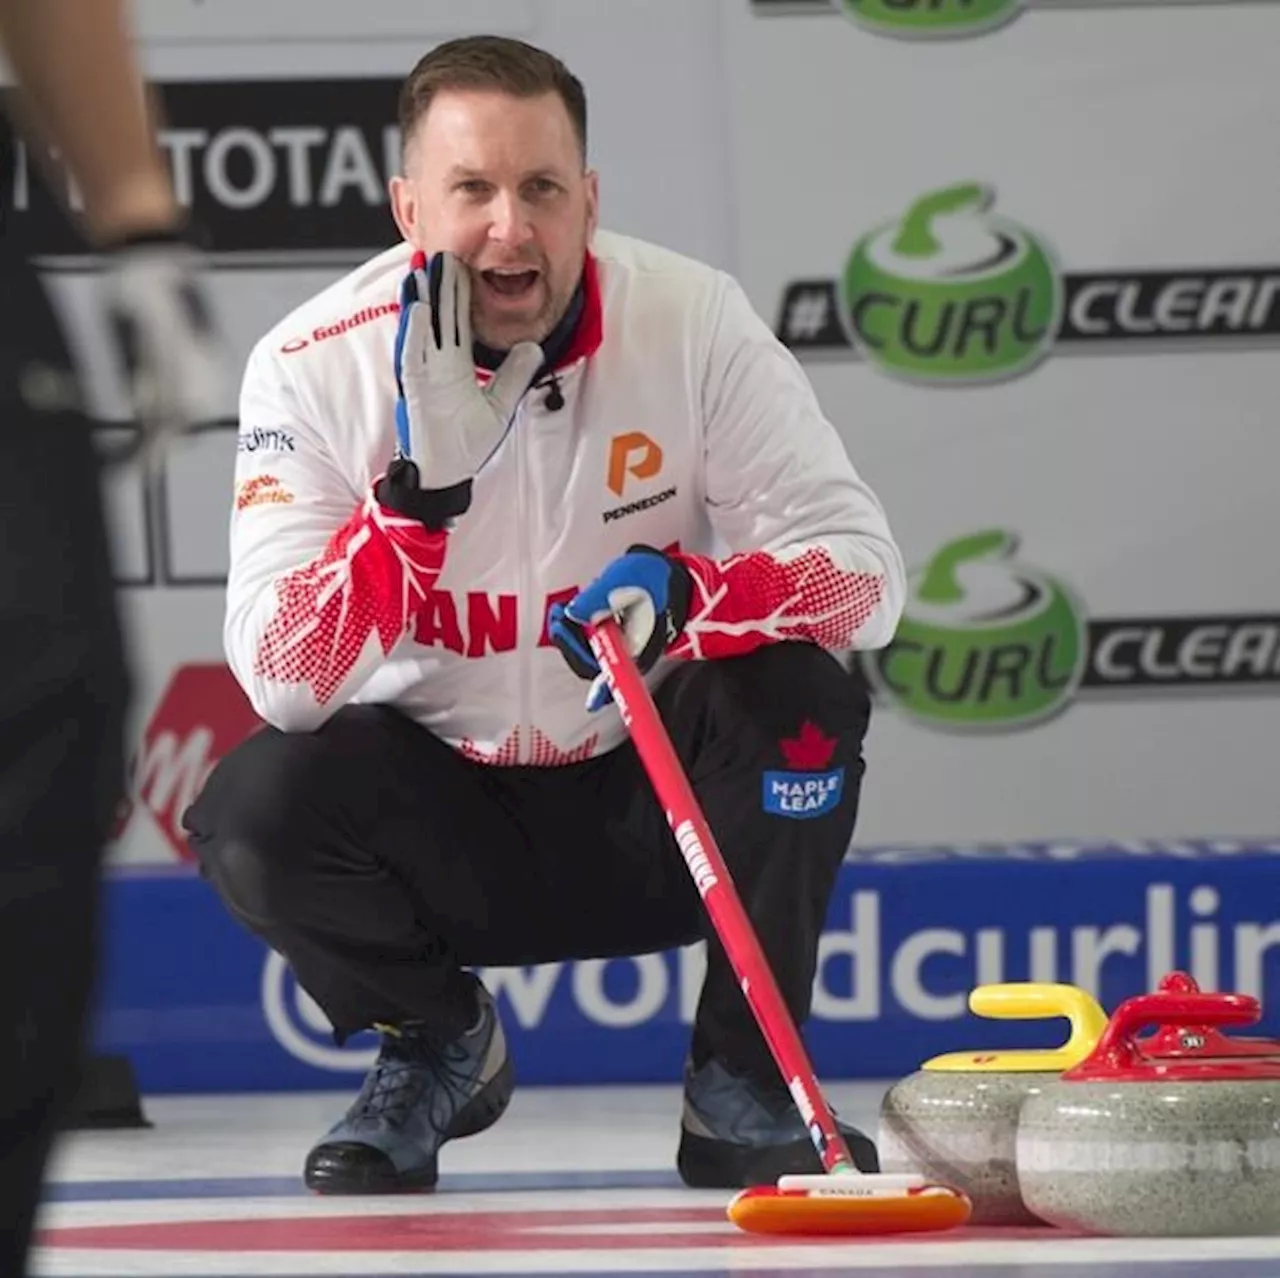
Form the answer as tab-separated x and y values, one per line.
646	592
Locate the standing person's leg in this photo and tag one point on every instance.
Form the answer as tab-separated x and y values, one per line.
772	743
63	692
380	863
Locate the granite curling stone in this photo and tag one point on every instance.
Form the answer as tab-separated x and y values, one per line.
955	1120
1132	1144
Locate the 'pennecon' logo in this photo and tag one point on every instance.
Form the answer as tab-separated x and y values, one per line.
930	17
951	291
989	643
984	641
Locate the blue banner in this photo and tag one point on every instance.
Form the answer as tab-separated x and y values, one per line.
198	1004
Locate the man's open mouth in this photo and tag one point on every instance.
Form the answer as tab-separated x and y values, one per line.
510	282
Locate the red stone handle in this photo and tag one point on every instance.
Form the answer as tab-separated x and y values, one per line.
1117	1049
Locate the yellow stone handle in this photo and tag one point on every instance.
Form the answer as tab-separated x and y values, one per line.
1031	1000
1037	1000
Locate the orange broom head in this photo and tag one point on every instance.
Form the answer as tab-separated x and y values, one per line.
769	1209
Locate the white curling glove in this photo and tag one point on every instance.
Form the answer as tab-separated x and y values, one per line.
448	424
171	353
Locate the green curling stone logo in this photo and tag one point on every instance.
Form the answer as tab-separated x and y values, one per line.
951	292
984	641
930	17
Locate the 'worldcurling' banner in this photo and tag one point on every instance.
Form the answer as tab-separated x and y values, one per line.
909	933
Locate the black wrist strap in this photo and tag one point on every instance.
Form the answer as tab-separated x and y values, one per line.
433	507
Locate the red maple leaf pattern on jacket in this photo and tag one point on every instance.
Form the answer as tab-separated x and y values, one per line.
373	576
543	752
748	600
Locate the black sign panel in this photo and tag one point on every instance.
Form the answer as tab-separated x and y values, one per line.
1231	651
274	167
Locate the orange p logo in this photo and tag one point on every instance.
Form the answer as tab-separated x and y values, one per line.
632	454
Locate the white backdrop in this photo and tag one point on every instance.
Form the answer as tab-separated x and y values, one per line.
1131	139
1133	143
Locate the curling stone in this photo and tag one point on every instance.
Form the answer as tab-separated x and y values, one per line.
1132	1144
955	1120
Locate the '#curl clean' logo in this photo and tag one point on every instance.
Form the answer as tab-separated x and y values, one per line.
937	19
988	643
984	641
951	291
930	17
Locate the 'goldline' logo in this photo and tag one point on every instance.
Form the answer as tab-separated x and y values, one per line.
950	292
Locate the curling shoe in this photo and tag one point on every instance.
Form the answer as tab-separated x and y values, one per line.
420	1093
736	1132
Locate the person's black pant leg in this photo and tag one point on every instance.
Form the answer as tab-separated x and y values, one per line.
63	693
772	742
331	847
379	862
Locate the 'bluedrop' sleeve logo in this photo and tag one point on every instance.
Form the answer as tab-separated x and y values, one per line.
930	17
984	642
951	292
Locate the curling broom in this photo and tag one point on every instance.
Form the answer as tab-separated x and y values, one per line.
842	1200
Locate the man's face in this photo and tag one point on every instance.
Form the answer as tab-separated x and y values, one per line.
499	181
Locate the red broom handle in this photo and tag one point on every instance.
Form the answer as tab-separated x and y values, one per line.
706	864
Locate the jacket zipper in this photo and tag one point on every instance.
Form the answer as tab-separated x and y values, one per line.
525	604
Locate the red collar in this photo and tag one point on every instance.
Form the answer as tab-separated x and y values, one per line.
589	334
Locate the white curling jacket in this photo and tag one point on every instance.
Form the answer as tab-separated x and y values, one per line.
682	422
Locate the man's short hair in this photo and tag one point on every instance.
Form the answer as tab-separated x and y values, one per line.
491	62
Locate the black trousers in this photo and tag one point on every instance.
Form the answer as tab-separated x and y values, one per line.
62	701
379	862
